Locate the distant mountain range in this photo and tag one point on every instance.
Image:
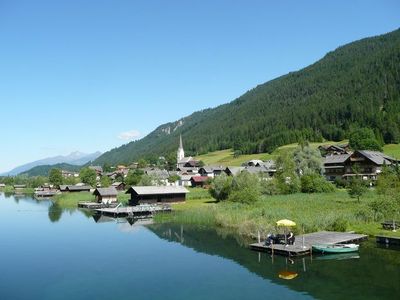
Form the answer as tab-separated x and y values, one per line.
75	158
357	85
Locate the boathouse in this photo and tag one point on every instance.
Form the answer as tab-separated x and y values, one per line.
74	188
106	195
156	194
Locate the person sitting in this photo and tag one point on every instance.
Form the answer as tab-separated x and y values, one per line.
290	238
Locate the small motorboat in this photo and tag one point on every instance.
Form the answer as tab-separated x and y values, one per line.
336	248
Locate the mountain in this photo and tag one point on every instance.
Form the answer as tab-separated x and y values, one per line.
43	170
74	158
357	85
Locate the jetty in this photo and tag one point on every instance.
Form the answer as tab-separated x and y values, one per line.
388	240
303	243
46	194
138	210
96	205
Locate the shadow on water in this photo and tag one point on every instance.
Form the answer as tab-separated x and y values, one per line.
373	273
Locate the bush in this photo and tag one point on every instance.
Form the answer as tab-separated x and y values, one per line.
315	183
246	195
339	224
221	187
384	207
269	187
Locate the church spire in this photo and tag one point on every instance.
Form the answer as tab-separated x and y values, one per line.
180	154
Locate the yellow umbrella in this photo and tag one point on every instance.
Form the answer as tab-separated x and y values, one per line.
287	275
285	222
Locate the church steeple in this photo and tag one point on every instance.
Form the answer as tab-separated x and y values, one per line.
180	154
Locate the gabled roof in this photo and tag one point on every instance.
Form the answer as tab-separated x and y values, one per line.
378	158
157	190
199	178
110	191
78	187
234	170
116	184
336	159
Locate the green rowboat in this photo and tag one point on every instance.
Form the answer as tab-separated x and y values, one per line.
336	248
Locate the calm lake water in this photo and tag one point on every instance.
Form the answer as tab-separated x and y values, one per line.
47	253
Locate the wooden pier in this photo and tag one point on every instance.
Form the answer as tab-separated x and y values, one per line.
96	205
388	240
46	194
138	210
303	243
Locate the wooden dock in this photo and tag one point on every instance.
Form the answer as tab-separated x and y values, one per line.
138	210
96	205
388	240
303	243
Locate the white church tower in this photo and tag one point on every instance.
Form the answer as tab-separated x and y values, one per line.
180	154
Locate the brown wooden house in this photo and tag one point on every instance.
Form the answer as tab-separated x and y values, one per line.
119	186
199	181
106	195
156	194
362	163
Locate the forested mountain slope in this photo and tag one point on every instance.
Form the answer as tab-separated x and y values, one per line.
357	85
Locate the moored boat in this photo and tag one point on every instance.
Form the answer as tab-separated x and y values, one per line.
336	248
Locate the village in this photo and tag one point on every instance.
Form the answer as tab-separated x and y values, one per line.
339	162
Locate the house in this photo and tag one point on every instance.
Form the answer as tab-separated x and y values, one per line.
123	170
233	171
160	176
156	194
106	195
199	181
185	180
253	163
2	185
97	169
211	171
67	174
327	150
363	163
119	186
74	188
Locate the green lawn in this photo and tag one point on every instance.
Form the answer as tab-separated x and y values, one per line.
312	212
392	150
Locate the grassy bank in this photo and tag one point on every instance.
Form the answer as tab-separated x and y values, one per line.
8	189
70	200
312	212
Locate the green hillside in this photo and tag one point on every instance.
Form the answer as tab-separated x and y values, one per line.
357	85
45	169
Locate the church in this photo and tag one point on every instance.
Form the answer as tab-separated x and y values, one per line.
183	162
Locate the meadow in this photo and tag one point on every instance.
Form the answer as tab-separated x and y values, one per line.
311	212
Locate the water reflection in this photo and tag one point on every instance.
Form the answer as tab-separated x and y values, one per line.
322	276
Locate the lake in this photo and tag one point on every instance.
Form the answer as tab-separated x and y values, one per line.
48	253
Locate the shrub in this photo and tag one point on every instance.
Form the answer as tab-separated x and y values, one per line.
246	195
339	224
315	183
221	187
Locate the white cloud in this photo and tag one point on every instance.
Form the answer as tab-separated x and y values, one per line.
129	135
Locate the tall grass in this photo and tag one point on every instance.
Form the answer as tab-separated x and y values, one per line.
312	212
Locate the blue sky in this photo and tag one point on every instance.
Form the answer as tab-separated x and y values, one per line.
83	75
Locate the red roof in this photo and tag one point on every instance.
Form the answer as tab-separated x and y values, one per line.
199	178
